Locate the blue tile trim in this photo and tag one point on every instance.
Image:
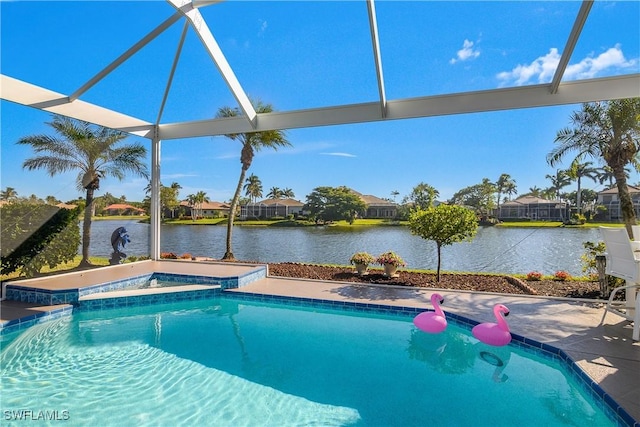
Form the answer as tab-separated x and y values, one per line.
614	411
28	321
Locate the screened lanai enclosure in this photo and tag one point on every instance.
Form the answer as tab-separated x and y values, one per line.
160	71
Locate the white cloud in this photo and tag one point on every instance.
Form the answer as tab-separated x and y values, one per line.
339	154
466	53
541	70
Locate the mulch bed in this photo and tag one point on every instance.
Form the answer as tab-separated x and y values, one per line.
467	282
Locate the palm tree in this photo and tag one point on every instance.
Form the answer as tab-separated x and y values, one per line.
577	171
288	193
251	142
253	187
275	193
609	131
93	151
394	194
605	174
510	189
195	202
9	193
505	181
558	181
534	191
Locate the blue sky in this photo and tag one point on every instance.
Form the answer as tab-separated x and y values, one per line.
298	55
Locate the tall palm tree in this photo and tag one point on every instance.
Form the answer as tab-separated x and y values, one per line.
609	131
558	181
253	188
505	181
577	171
251	142
93	151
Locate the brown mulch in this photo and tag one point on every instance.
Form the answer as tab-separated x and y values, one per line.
467	282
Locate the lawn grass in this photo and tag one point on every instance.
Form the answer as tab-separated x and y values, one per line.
60	268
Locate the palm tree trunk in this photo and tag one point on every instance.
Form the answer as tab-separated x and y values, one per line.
228	255
626	205
86	229
579	198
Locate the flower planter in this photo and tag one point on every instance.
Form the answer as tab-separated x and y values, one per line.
391	270
361	269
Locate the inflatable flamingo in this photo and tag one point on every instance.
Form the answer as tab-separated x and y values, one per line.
429	321
496	334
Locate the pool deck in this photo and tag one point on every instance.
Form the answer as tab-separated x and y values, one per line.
605	352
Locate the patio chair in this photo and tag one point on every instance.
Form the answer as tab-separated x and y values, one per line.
622	263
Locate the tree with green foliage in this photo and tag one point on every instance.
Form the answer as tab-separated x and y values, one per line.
480	197
422	196
334	203
610	132
445	225
93	151
35	235
251	142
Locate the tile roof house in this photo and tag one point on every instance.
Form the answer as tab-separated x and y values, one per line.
206	210
377	207
122	209
609	199
534	208
269	208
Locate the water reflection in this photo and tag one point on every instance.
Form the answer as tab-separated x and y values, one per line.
453	352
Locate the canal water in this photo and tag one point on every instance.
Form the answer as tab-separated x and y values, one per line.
493	250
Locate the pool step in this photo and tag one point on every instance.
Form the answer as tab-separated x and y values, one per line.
148	296
147	291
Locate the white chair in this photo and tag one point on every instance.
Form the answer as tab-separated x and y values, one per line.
622	263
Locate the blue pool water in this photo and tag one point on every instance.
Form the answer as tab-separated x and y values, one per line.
230	362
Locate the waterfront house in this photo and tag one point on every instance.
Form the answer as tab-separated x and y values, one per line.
122	209
204	210
533	208
270	208
611	202
377	207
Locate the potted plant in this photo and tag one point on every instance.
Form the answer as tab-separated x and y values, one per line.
390	261
361	260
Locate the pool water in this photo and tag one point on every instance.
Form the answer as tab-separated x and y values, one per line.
229	362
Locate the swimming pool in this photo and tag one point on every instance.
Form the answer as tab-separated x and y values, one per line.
229	361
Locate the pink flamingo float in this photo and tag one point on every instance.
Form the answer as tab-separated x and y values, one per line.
496	334
429	321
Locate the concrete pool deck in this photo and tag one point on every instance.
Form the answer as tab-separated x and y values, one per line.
605	352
